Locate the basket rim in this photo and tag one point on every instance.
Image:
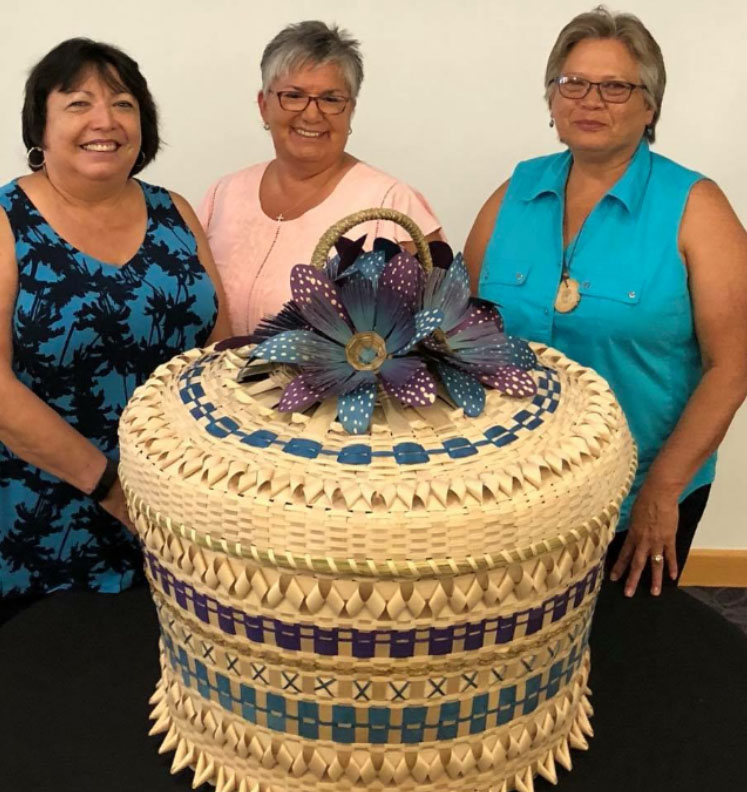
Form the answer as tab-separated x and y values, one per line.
390	568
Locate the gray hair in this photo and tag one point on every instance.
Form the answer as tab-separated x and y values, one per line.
314	43
604	24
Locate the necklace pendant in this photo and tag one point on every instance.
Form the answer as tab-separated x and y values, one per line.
568	296
280	218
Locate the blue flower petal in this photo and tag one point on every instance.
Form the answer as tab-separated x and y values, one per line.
301	347
325	319
426	322
369	265
397	370
453	293
463	388
354	409
394	320
359	299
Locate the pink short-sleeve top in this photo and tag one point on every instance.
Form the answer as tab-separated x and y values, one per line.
255	253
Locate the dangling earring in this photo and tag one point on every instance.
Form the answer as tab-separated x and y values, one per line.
552	123
29	155
265	125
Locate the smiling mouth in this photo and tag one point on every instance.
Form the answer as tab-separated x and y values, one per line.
101	147
308	133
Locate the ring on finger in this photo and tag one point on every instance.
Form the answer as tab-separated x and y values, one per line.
657	558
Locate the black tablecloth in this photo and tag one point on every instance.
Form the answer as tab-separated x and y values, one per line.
669	682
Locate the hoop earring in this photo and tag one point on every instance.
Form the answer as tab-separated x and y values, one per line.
34	166
265	125
140	161
350	130
552	123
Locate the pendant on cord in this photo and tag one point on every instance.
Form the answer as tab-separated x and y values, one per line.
568	296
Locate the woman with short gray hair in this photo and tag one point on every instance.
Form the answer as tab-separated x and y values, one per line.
633	265
263	220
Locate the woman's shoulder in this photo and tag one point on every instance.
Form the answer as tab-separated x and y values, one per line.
241	180
668	169
8	193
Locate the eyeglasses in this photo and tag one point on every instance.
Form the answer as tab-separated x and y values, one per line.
297	102
614	91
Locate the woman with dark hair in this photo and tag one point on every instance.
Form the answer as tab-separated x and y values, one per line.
630	264
102	278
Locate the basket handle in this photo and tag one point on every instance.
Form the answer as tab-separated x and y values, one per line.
328	239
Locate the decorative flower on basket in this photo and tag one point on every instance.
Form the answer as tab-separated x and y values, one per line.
383	318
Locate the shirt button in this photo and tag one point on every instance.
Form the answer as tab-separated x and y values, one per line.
545	311
519	276
631	295
585	285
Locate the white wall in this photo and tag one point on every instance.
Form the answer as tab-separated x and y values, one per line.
451	101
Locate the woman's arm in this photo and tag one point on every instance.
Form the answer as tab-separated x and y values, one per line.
482	228
30	428
222	327
714	245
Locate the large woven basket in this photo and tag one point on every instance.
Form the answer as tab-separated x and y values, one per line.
408	609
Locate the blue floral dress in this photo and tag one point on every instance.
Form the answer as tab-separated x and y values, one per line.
85	335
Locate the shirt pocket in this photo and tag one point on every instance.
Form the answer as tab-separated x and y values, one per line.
499	278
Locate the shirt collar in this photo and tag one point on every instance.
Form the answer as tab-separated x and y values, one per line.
628	189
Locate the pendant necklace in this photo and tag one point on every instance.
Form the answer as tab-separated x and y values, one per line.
569	294
280	219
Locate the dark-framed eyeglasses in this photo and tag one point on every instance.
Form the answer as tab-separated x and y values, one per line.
298	101
615	91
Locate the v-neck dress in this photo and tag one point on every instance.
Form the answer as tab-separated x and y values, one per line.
85	335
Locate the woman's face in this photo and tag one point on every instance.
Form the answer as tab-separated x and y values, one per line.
93	130
591	124
310	136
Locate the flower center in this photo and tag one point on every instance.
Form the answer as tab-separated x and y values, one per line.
366	351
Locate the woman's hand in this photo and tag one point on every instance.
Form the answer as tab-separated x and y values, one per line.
116	505
650	539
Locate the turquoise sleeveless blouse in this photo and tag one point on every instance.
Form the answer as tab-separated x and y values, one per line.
634	324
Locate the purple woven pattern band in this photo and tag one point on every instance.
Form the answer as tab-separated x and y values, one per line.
352	642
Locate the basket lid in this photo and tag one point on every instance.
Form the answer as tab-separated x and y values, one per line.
425	489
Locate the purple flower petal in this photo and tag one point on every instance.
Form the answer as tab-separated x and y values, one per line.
235	342
418	391
425	323
490	307
404	275
463	388
335	379
397	371
307	280
301	347
298	395
387	247
394	321
510	380
354	409
479	312
441	254
348	251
